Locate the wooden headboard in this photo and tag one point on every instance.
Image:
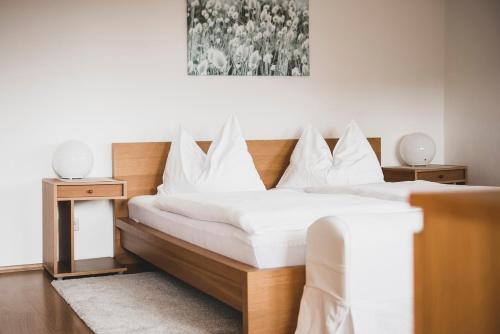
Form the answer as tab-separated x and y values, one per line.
142	164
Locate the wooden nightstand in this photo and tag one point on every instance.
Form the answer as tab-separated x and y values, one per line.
58	225
436	173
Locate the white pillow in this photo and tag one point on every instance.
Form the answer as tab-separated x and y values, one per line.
228	166
310	162
312	165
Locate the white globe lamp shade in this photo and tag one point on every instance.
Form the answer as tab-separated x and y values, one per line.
72	160
417	149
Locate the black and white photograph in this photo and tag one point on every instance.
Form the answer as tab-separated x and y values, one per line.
248	37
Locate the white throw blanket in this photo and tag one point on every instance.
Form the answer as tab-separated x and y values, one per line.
394	191
275	210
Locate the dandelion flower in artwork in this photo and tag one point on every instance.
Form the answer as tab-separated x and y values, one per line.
217	58
203	67
273	68
263	15
241	53
195	3
304	60
239	31
305	44
198	28
305	69
296	71
276	9
258	37
268	58
254	60
252	4
250	26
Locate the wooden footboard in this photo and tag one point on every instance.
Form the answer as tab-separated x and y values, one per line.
269	299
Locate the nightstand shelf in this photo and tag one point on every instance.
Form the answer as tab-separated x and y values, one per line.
448	174
59	199
98	266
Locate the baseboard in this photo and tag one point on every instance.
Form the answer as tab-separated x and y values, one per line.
22	267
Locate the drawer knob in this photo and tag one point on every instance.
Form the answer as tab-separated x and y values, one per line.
441	176
90	191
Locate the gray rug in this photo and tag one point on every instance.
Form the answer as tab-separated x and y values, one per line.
146	303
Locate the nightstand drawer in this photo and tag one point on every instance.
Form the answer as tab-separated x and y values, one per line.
451	175
94	190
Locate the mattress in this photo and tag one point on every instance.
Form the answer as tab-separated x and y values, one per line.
269	250
396	191
273	249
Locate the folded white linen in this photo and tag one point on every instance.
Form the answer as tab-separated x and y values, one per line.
394	191
258	212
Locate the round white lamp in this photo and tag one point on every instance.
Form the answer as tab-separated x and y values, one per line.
72	160
417	149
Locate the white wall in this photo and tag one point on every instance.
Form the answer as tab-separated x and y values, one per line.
472	112
105	71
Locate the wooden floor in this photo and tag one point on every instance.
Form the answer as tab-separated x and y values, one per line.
29	304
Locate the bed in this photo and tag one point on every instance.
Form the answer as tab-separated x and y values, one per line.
269	298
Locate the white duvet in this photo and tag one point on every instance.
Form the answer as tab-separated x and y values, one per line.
393	191
259	212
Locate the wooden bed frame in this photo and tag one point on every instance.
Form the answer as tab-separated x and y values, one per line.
269	299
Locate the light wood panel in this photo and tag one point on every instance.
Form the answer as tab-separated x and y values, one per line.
457	263
49	229
272	300
91	190
142	164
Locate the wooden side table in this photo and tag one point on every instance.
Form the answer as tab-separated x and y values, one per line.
448	174
59	199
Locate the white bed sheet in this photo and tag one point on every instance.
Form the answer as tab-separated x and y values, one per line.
261	251
272	249
395	191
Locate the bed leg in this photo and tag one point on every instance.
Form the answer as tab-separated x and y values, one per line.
271	300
